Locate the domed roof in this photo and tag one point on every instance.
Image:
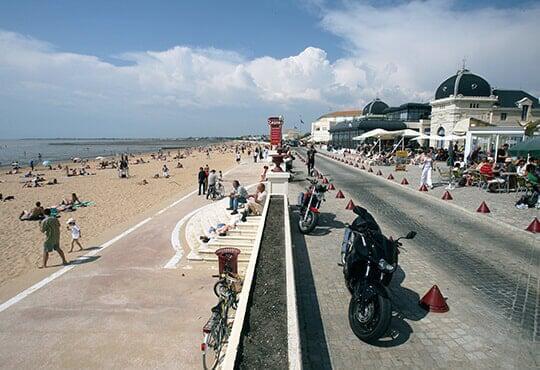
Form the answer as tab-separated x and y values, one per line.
376	106
463	83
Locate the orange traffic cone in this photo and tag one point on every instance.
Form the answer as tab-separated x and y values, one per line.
390	177
340	195
331	187
483	208
534	227
447	196
423	188
350	205
434	301
404	181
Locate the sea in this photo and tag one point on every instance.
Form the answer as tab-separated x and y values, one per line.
57	150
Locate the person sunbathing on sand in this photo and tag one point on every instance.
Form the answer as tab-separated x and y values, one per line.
36	214
74	200
143	182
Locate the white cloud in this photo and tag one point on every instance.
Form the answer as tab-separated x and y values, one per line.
411	47
399	53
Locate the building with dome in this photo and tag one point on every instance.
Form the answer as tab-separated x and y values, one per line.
374	115
466	101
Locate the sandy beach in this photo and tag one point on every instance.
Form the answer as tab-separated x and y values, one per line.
117	202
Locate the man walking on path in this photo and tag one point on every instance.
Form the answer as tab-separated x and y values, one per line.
311	159
202	181
212	180
51	227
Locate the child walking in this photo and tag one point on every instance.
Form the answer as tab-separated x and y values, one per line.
75	234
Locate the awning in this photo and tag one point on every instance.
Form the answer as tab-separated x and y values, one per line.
464	125
378	133
528	147
439	138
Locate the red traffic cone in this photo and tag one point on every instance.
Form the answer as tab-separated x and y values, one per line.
350	205
483	208
390	177
447	196
379	173
340	195
331	187
325	181
363	167
534	227
423	188
434	301
370	170
404	181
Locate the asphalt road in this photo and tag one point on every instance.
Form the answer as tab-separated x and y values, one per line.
494	270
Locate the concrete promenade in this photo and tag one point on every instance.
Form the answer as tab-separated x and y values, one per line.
489	274
120	308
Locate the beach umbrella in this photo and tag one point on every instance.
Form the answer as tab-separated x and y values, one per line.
528	147
46	163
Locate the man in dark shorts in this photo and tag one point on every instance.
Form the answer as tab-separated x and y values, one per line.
311	159
50	226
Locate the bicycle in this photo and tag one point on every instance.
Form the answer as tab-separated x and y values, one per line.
217	329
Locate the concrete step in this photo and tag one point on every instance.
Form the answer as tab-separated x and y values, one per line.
219	243
252	234
211	250
213	257
247	238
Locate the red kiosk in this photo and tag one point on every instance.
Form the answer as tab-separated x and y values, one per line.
275	123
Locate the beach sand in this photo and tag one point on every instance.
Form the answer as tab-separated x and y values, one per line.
118	201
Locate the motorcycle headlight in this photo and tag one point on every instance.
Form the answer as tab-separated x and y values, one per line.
385	266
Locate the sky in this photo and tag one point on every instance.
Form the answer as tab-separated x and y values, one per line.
169	68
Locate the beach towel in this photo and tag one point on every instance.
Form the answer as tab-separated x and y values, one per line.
84	204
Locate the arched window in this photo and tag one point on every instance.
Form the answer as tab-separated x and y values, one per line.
440	132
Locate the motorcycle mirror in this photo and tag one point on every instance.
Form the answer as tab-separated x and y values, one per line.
411	235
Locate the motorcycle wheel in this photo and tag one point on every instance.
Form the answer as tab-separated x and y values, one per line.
370	320
309	224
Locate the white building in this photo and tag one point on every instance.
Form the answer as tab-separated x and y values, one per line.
320	128
465	95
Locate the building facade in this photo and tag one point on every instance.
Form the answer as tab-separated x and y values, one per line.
320	128
466	96
373	116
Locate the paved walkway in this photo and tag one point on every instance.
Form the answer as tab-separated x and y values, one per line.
489	274
120	308
501	205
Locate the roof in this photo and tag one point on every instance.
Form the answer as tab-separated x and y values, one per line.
509	98
376	106
343	113
369	124
405	106
463	83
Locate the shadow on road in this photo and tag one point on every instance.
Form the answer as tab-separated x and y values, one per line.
83	259
404	307
313	343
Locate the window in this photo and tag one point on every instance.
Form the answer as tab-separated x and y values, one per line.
503	116
524	112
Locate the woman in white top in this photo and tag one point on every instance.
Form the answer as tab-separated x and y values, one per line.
75	234
427	165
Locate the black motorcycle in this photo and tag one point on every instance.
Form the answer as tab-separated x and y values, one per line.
369	260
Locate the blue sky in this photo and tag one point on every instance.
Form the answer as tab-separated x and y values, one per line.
182	68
